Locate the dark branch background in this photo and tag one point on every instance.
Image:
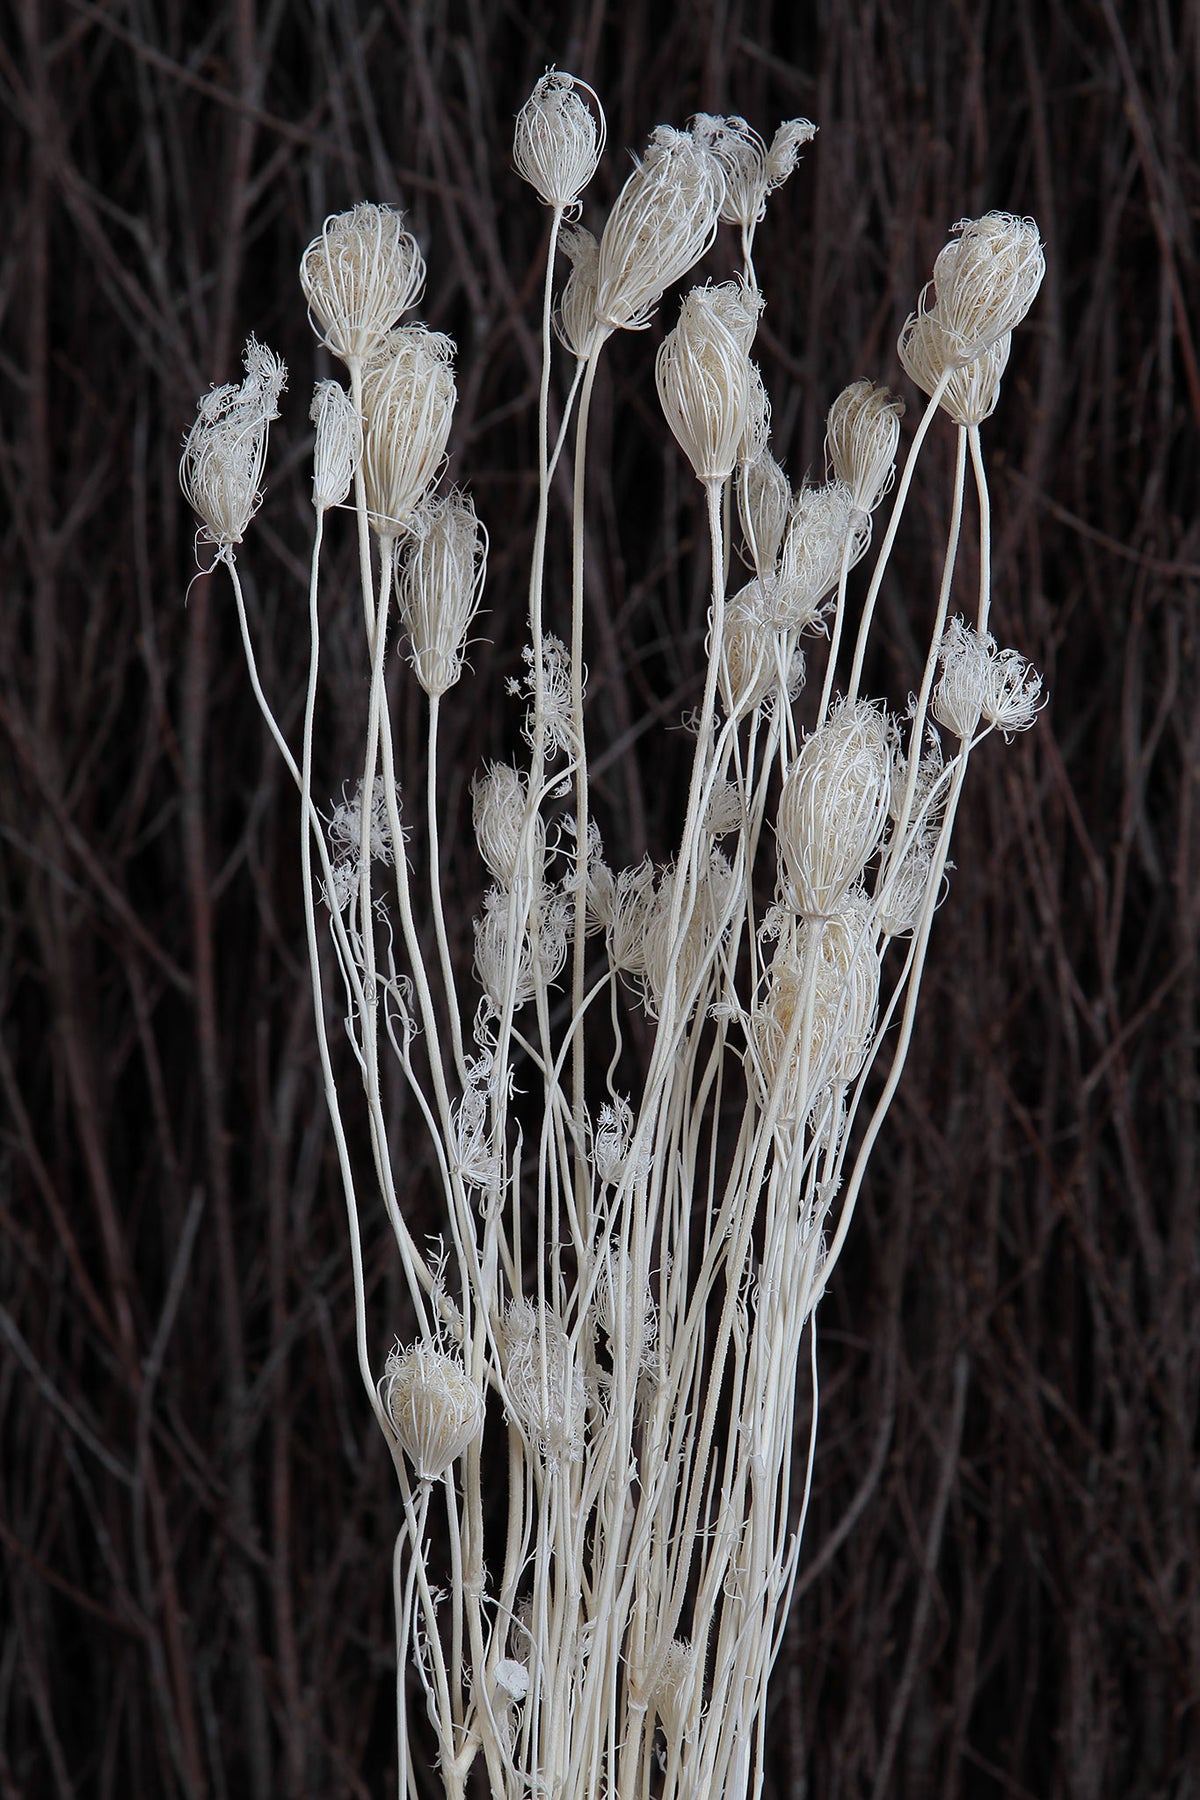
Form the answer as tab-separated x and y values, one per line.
1000	1592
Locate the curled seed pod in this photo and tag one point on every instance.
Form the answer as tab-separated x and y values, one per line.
830	982
664	219
971	393
499	803
558	141
439	583
543	1380
834	805
751	170
576	321
824	529
981	682
338	445
862	433
703	376
986	279
408	405
432	1405
225	451
764	503
677	956
360	274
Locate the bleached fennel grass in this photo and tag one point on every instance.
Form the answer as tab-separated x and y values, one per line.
624	1290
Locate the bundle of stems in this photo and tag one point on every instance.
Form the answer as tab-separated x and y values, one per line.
629	1265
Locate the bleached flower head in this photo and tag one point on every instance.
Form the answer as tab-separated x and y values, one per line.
815	1026
672	1687
764	504
439	583
751	653
338	444
679	957
626	1311
499	806
703	375
862	433
408	405
559	139
834	806
225	451
980	682
986	279
904	887
824	529
971	393
611	1141
751	170
346	824
432	1405
576	318
630	909
664	219
543	1380
360	275
499	962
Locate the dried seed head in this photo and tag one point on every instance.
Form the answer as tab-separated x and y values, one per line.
558	141
751	170
432	1405
664	219
703	375
543	1380
408	406
360	275
499	961
512	1680
904	888
671	956
225	451
576	322
824	529
439	582
981	682
862	433
630	910
830	982
834	806
764	503
985	280
499	804
751	667
672	1687
338	445
971	393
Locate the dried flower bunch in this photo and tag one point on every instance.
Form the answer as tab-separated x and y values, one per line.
620	1301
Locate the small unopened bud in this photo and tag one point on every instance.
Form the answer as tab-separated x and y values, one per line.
225	451
664	219
557	143
432	1405
360	275
703	376
862	433
408	405
439	580
834	805
338	445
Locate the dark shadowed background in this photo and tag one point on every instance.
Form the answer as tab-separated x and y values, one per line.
1000	1591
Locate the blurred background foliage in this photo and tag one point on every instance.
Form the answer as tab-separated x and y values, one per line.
1000	1590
